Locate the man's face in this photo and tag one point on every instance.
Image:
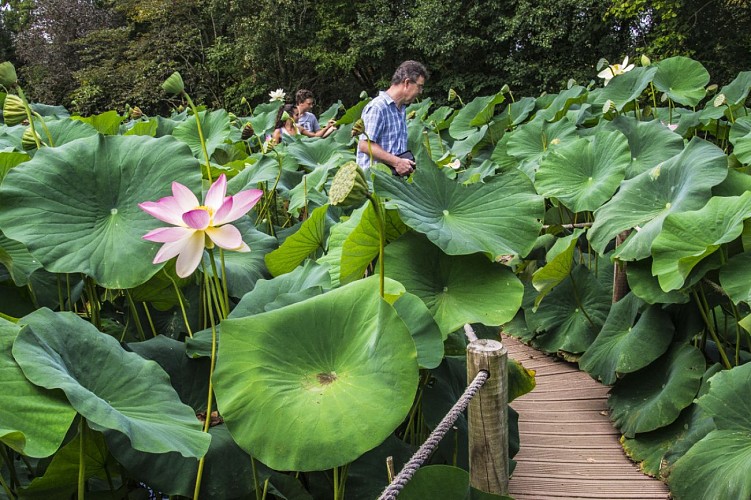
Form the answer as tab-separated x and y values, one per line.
414	88
306	105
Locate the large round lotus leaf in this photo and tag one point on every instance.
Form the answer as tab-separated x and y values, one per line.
740	137
532	141
316	384
689	237
299	245
623	89
646	287
83	200
17	260
735	278
34	420
501	216
650	143
624	346
570	316
563	102
679	184
726	400
474	115
654	396
584	173
456	289
423	328
215	127
717	467
558	266
111	388
682	79
443	481
314	154
64	131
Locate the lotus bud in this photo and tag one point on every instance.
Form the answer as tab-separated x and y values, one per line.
608	106
712	88
14	112
8	77
243	101
719	100
363	95
247	131
452	94
349	189
505	89
174	84
358	128
27	139
135	113
645	60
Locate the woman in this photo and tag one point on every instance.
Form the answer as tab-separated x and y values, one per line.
286	127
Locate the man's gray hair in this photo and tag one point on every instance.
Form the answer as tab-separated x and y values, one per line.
409	70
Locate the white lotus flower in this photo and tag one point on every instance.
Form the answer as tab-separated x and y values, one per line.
279	94
615	69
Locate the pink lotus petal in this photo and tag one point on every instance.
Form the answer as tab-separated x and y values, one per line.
169	250
197	219
168	234
191	254
221	214
242	202
184	197
165	210
227	237
216	193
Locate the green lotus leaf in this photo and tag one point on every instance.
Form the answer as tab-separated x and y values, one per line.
112	389
735	278
563	102
60	479
584	173
740	138
17	260
651	143
64	131
34	420
85	209
520	380
474	115
461	148
572	315
560	262
300	245
456	289
107	123
626	344
501	216
215	127
647	287
362	482
361	246
689	237
423	328
337	236
316	384
682	79
443	481
148	128
532	141
623	89
654	396
725	401
516	112
658	450
716	467
308	191
352	114
680	184
9	160
315	153
244	269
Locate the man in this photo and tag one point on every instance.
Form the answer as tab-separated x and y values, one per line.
385	120
307	121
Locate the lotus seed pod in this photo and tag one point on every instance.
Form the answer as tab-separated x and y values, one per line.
247	131
27	139
8	77
349	189
136	113
14	112
358	128
411	115
452	94
719	100
174	84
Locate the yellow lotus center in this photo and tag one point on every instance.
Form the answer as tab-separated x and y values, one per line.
209	210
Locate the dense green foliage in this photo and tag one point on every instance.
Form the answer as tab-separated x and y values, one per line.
117	52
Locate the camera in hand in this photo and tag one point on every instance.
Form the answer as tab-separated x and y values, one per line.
409	156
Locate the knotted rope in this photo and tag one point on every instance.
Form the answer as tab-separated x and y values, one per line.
427	448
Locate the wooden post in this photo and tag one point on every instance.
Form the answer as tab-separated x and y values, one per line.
488	418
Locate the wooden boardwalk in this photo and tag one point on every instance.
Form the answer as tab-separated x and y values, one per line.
569	448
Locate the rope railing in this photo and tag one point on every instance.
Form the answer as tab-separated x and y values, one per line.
430	444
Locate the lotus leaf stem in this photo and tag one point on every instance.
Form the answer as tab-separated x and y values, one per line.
703	306
11	467
46	130
377	206
180	301
219	294
6	488
200	135
148	317
134	313
225	289
259	494
29	116
81	461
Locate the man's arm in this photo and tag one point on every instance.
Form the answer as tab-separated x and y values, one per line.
402	166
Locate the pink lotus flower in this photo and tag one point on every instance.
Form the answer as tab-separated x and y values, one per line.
198	226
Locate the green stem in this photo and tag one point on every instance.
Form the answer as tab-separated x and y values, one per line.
134	313
381	241
180	301
81	462
29	116
255	479
46	130
93	300
207	422
265	488
148	317
60	293
702	304
225	289
8	491
218	291
200	135
8	458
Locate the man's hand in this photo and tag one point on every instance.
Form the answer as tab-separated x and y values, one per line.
403	166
